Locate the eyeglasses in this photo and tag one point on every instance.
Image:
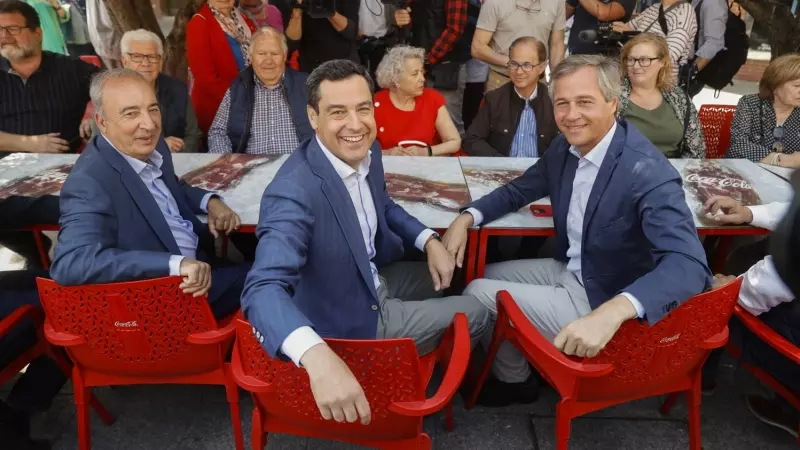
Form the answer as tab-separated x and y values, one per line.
13	30
643	62
778	134
139	57
526	66
535	6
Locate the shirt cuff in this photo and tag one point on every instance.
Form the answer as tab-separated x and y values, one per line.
204	201
477	216
636	304
422	239
298	342
175	265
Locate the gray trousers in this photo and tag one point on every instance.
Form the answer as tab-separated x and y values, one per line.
454	100
549	295
410	307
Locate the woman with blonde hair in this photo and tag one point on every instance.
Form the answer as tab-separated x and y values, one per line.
766	126
652	102
412	119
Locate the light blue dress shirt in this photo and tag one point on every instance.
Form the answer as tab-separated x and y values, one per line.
524	144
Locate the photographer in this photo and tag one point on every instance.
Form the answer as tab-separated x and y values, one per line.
322	33
438	27
588	15
673	20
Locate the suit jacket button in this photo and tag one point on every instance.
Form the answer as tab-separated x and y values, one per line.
374	307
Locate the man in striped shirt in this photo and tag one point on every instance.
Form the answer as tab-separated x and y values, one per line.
43	95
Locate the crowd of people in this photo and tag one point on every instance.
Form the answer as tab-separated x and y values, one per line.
330	254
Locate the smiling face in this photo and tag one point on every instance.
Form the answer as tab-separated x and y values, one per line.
523	55
131	118
581	111
268	58
21	45
144	52
345	122
641	55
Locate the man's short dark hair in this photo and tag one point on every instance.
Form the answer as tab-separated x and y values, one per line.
334	70
22	8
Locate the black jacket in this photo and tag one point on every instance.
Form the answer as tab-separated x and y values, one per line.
492	131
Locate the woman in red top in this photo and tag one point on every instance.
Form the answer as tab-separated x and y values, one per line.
217	48
405	110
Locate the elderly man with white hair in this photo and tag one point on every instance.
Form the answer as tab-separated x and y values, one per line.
264	110
143	52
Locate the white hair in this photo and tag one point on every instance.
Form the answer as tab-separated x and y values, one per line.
140	35
393	63
269	31
99	81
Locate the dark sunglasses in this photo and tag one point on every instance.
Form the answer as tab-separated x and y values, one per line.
778	133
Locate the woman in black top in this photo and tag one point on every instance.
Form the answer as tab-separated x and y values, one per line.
322	39
766	126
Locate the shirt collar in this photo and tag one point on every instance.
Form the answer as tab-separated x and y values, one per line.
259	83
138	165
598	153
533	95
342	169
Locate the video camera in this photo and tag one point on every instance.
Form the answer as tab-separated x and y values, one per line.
317	9
609	42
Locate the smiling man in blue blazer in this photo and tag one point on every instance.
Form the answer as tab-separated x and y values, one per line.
626	242
329	238
125	215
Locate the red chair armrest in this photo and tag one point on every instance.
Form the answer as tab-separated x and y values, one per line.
62	339
768	335
20	314
247	382
459	360
716	341
214	336
540	348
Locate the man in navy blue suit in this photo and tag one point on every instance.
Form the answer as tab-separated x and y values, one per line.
329	238
627	246
126	216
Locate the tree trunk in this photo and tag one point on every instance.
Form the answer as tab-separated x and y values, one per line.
127	15
782	26
175	63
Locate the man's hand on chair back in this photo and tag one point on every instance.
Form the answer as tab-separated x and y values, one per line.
336	390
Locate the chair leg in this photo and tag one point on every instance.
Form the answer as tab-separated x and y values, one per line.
498	337
81	394
669	403
257	435
563	421
448	417
232	392
424	442
693	399
101	410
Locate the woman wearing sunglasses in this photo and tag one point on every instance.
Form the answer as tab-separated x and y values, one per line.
652	102
766	126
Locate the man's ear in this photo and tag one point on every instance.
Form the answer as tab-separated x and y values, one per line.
312	116
101	122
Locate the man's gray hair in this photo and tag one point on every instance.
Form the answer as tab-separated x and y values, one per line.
608	74
269	31
99	82
141	35
392	65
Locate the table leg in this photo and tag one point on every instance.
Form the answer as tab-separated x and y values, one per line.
721	255
37	237
482	244
472	250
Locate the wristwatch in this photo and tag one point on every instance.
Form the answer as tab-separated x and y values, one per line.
430	151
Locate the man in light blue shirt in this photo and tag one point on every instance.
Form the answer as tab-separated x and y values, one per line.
125	215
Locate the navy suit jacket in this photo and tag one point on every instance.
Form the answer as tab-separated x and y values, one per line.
311	266
112	229
638	233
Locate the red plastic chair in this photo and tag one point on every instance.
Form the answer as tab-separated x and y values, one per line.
777	342
41	348
92	59
393	377
640	361
138	332
716	121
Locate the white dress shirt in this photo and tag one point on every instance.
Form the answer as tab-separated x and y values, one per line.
355	181
182	230
585	175
762	287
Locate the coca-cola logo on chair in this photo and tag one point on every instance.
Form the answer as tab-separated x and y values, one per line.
705	179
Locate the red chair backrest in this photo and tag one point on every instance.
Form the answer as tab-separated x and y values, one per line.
716	122
136	328
91	59
388	371
645	358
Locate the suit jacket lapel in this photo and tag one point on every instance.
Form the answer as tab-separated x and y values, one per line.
567	177
141	195
604	175
343	209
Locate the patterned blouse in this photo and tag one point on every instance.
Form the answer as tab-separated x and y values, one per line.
693	135
752	129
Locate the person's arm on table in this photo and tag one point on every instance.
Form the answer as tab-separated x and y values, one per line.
45	143
284	232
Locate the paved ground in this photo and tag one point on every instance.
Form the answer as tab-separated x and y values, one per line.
196	417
